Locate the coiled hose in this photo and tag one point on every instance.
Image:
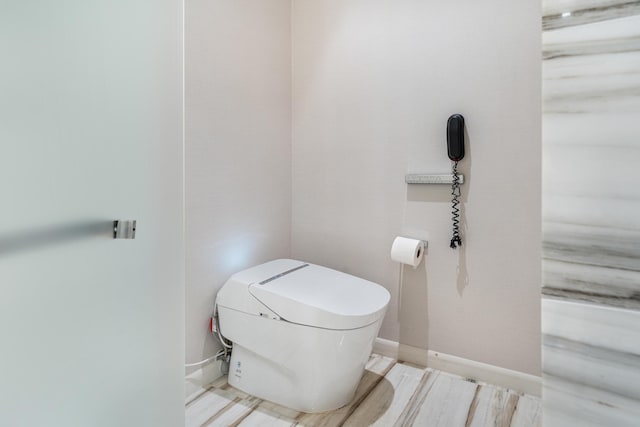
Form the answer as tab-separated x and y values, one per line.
455	211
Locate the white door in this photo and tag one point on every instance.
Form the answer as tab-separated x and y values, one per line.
91	327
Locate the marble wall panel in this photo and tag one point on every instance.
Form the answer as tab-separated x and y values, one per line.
591	213
591	358
591	154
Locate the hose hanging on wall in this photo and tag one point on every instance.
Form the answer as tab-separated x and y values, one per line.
455	211
455	150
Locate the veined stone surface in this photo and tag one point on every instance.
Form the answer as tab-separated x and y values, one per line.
591	212
390	394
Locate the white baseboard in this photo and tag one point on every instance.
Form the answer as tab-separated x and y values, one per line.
405	353
197	381
386	348
478	371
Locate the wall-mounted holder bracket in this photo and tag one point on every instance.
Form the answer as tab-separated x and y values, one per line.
427	178
124	229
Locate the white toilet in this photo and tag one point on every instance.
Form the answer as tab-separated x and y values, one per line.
301	333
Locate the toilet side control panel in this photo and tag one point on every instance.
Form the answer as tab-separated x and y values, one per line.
270	316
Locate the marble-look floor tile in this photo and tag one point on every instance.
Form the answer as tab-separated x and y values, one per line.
219	383
376	369
448	403
410	412
493	407
386	402
268	414
205	408
528	412
389	394
234	414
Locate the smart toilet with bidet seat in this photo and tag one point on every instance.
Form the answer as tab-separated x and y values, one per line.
301	333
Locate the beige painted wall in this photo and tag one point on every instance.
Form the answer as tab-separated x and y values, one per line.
238	148
373	85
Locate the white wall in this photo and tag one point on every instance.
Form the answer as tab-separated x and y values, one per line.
238	148
373	85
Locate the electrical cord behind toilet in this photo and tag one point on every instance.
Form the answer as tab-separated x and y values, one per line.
224	353
207	360
227	347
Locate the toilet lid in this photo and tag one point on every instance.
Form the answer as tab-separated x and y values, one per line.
312	295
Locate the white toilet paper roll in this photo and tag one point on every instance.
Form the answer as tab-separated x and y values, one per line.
407	251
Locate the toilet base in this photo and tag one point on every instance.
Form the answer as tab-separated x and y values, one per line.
282	386
303	368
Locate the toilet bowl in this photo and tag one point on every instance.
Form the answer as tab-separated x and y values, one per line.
301	333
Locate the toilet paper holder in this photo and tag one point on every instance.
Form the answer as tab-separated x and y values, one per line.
426	245
429	178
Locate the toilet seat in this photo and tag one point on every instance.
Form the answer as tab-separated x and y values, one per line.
311	295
